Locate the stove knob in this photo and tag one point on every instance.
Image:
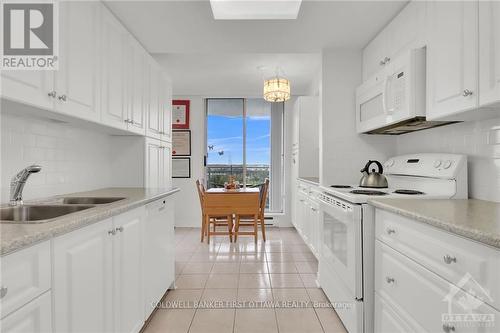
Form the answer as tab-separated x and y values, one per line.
447	164
437	163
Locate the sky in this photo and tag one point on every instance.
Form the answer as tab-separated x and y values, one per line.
226	135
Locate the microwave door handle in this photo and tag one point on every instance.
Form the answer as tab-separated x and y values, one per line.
388	98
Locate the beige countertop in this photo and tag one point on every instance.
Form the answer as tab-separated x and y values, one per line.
312	180
474	219
15	236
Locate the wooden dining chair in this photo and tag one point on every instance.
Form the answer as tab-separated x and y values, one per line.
248	220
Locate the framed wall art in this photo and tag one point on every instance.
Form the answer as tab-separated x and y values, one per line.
180	114
181	167
181	143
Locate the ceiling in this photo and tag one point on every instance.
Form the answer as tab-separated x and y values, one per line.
219	57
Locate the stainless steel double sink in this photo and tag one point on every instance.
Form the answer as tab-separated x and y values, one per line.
45	212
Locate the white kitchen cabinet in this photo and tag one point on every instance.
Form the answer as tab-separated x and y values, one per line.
114	72
36	316
77	81
165	108
407	30
158	163
489	53
158	272
83	281
315	232
34	88
137	87
127	271
452	59
388	318
306	138
154	118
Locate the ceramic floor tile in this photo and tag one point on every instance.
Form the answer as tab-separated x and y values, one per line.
222	281
286	281
282	267
255	320
309	280
254	281
224	297
182	298
279	257
330	321
307	266
291	298
253	296
253	267
298	321
195	281
170	321
213	321
197	268
179	266
318	297
226	268
299	256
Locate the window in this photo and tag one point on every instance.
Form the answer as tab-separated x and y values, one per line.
245	141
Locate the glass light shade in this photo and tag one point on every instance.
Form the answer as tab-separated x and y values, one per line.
277	90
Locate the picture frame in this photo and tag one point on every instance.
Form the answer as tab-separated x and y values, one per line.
181	167
181	143
180	114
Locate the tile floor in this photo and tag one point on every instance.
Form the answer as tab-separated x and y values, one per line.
244	287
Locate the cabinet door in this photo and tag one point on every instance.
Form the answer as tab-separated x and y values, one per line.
166	165
29	87
76	80
386	318
137	87
374	54
153	163
452	77
154	127
127	262
36	316
113	102
158	252
489	52
166	108
82	284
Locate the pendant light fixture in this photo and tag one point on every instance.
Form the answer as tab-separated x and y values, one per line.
277	89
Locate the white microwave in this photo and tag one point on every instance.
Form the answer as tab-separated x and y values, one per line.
393	100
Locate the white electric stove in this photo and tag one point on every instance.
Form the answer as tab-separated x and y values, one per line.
346	258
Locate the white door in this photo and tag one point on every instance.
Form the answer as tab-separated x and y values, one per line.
154	128
82	280
113	102
35	88
77	82
489	52
158	252
386	317
452	76
127	263
137	87
153	163
36	316
166	108
165	165
374	54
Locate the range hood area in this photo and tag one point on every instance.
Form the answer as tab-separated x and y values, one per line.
410	125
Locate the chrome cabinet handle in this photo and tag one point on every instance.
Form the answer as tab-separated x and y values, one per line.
467	92
62	98
120	229
384	61
3	292
389	280
52	94
449	259
314	209
381	63
128	121
448	328
112	232
390	231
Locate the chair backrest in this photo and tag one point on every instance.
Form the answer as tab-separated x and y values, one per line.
201	192
263	194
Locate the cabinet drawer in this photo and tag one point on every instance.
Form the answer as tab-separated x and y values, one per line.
388	319
423	296
452	257
36	316
25	275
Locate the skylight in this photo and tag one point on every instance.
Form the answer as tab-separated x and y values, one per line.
255	9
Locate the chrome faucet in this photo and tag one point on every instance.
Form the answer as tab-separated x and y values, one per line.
17	184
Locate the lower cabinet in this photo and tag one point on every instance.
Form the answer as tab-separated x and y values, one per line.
36	316
158	172
307	217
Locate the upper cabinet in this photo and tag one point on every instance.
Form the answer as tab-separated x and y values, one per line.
137	87
452	58
489	53
406	30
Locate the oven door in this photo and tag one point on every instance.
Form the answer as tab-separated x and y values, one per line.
341	248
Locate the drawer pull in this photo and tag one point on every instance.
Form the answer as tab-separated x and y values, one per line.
120	229
390	231
112	232
389	280
3	291
448	328
449	259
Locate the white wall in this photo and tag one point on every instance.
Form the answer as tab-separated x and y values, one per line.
480	140
187	210
72	159
342	151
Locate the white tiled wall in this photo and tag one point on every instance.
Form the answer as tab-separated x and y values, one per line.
72	159
480	140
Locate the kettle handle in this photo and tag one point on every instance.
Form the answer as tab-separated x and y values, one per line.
370	162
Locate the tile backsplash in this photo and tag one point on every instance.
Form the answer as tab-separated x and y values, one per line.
480	140
72	159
